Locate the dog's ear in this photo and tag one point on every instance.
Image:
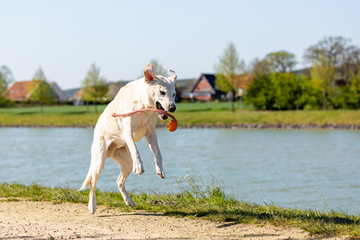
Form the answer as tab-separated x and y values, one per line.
149	73
173	75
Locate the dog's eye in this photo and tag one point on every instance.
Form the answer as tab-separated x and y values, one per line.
162	93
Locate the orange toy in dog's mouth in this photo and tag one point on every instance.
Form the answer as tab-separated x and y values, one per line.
172	125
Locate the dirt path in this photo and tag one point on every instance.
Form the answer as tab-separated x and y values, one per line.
45	220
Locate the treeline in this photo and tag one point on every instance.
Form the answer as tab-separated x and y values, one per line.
288	91
40	92
94	88
332	81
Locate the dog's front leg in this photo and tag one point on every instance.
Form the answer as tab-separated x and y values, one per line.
154	147
135	155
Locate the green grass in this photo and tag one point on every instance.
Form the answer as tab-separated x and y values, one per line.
53	116
318	118
207	202
187	114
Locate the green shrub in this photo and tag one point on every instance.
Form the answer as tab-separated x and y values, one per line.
283	91
351	93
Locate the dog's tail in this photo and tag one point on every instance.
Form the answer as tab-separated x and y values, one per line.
86	182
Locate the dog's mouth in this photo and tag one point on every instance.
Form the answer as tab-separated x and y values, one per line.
160	107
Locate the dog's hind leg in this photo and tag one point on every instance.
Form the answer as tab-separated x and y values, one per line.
123	157
98	157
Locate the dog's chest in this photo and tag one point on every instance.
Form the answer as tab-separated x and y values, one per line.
142	124
139	133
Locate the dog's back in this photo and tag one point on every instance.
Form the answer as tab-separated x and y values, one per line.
131	97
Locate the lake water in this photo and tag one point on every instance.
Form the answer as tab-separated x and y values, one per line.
317	169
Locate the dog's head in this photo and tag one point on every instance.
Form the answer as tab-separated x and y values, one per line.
161	90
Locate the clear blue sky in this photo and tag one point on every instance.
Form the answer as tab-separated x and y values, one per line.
64	37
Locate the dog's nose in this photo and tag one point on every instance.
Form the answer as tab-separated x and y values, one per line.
172	108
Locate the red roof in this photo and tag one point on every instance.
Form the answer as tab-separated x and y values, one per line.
78	94
18	91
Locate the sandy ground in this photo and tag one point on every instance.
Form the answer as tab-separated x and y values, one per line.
45	220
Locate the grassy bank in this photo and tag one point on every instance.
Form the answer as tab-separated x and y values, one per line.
53	116
196	202
188	114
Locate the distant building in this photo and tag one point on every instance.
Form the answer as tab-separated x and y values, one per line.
77	97
183	88
339	80
114	88
205	90
19	91
303	71
74	95
60	94
70	93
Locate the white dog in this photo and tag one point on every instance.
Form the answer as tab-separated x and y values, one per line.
116	137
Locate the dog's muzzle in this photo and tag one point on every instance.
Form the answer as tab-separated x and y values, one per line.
172	108
160	107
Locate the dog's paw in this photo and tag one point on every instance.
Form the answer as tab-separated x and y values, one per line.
130	203
161	174
91	208
138	169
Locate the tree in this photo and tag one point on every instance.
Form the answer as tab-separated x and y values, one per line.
6	78
281	61
40	91
94	87
336	52
158	68
260	67
229	66
351	93
323	74
330	49
351	63
86	94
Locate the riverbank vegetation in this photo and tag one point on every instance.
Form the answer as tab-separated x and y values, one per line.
194	201
213	114
331	82
288	91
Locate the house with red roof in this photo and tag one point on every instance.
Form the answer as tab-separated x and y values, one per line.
19	92
205	90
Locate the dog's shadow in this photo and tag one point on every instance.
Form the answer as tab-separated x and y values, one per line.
135	214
